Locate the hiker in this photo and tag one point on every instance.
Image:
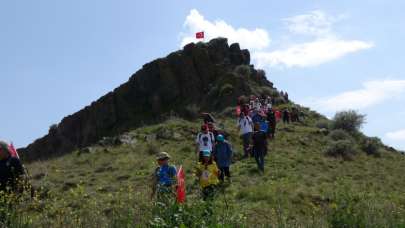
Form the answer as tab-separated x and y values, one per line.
207	118
207	173
245	126
294	115
256	117
164	179
11	171
223	157
259	147
257	105
245	109
271	118
269	103
286	116
205	141
213	129
286	96
278	115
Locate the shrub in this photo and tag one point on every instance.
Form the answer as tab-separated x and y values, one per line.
341	148
226	90
371	146
322	124
243	70
350	121
340	134
279	100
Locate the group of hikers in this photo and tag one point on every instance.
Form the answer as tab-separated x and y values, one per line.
256	122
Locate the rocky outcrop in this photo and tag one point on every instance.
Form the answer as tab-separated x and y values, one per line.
209	76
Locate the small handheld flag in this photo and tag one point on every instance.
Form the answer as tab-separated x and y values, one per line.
199	35
181	186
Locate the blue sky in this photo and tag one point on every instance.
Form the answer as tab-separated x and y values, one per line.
58	56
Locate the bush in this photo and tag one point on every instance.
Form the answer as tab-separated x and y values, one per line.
350	121
371	146
243	70
342	148
340	134
322	124
226	90
279	100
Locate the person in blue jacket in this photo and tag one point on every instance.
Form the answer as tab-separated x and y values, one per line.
164	179
223	157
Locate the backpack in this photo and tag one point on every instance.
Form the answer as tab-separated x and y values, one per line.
212	137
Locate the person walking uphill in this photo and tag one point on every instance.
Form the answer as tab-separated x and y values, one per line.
164	179
259	149
11	171
207	173
245	126
223	157
271	118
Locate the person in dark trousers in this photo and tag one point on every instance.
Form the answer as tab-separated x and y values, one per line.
271	118
11	171
259	148
245	126
223	157
286	116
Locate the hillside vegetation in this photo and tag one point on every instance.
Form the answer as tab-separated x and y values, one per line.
107	184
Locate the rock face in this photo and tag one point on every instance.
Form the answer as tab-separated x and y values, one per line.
203	76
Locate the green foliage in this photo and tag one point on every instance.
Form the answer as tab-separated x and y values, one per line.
226	90
243	70
323	124
371	146
342	148
340	134
110	186
350	121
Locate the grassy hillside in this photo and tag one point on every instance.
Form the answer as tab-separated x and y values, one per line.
108	186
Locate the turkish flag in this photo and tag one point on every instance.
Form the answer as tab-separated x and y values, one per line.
13	151
199	35
181	186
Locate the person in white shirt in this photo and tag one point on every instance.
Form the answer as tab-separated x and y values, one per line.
245	126
205	141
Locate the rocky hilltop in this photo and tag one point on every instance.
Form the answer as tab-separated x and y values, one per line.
203	76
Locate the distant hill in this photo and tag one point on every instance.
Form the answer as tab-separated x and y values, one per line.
203	76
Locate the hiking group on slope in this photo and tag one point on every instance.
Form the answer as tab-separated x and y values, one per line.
256	122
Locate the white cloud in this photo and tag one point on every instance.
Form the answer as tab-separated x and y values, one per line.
313	23
326	47
396	135
255	39
311	53
372	93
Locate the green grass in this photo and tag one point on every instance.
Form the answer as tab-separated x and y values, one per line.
301	187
